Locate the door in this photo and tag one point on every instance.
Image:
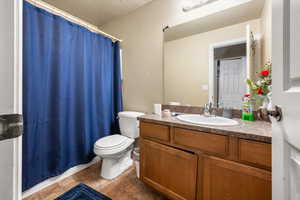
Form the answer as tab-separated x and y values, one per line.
10	60
231	86
224	180
286	94
168	170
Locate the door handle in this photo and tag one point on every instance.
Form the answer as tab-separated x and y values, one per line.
276	113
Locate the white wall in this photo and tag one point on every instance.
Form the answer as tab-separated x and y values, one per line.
6	56
266	24
6	172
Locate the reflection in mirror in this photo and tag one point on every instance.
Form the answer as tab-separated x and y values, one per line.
208	61
230	73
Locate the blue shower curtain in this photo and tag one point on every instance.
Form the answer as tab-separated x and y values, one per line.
71	94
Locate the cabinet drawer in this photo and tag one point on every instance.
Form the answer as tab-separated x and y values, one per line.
255	152
217	144
155	131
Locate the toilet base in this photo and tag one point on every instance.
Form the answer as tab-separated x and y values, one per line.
113	167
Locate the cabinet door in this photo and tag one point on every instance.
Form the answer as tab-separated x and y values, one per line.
227	180
168	170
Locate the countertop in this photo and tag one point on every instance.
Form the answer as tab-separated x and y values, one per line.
258	130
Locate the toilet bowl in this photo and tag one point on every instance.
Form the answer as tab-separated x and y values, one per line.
115	150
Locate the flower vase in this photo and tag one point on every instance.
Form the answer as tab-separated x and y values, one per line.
261	101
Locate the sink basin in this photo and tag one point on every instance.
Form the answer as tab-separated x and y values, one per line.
203	120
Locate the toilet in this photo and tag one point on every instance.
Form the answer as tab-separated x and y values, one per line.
115	150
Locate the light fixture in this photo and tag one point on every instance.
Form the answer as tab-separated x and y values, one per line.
193	4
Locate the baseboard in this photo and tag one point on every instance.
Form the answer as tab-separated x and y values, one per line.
56	179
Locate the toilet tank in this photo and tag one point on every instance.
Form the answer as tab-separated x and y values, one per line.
129	124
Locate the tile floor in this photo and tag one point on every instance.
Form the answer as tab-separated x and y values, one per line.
125	187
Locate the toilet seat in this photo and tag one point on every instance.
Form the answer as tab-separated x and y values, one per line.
112	144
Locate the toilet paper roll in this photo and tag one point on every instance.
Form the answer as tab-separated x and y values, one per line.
157	109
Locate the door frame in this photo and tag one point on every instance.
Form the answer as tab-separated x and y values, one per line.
211	64
18	79
211	61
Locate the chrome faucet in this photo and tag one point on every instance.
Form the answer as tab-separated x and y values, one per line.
208	109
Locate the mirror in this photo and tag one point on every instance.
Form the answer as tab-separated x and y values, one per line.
209	59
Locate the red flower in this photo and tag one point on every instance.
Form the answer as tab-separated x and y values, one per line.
265	73
247	95
260	91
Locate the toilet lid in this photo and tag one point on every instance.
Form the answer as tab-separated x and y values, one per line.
111	142
130	114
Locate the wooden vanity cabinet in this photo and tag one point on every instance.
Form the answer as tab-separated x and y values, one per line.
155	132
256	153
169	170
227	180
206	142
186	164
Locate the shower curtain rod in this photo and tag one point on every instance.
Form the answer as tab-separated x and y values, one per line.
76	20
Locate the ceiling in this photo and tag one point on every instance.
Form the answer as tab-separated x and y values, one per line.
235	15
98	12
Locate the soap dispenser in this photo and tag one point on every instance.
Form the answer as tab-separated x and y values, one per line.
247	114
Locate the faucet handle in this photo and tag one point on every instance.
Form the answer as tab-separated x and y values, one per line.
206	106
210	105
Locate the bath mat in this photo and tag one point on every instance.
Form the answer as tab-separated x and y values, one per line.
82	192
